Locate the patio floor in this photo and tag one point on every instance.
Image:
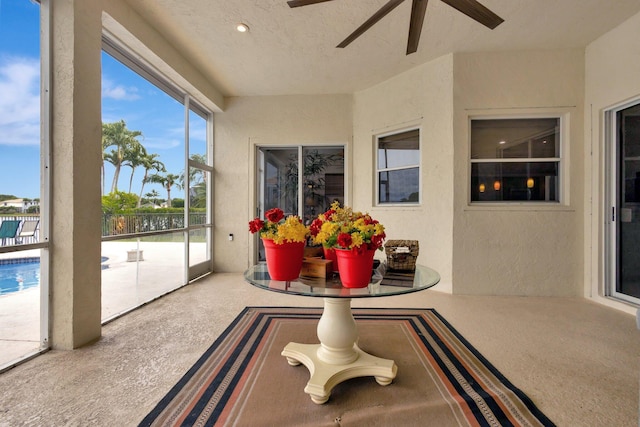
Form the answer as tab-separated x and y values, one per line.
125	284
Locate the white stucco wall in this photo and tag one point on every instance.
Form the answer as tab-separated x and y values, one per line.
246	123
421	97
612	65
75	160
519	250
76	42
130	29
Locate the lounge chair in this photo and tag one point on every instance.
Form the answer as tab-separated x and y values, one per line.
28	229
9	230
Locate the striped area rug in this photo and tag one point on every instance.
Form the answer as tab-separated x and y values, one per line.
242	379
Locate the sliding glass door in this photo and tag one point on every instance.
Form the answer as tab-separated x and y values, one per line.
624	224
300	180
157	179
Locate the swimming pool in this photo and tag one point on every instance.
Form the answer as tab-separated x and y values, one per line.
18	276
24	273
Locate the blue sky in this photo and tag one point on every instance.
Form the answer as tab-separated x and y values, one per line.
125	95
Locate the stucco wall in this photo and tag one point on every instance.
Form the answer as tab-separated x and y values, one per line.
130	29
612	65
75	160
421	97
519	250
76	41
246	123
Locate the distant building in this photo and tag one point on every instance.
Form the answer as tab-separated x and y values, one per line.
21	204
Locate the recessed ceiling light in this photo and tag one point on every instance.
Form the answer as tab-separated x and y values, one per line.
242	28
502	142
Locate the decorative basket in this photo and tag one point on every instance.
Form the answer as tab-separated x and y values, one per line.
401	254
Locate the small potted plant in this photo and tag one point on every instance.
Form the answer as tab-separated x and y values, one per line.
284	240
354	237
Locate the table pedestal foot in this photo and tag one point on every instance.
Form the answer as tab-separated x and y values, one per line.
384	380
325	376
292	362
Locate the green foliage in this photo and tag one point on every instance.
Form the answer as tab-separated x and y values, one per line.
7	197
118	201
198	196
128	149
122	147
9	210
152	211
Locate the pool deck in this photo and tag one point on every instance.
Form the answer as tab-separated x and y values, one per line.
125	284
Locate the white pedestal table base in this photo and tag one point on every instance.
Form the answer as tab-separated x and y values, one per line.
337	358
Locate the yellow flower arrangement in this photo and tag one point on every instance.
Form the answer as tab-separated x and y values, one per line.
279	229
343	228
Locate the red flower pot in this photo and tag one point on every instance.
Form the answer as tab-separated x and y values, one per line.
355	267
284	261
330	254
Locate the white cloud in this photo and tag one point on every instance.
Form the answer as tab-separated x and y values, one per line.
20	101
162	144
118	92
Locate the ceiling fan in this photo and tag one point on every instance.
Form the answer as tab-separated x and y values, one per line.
471	8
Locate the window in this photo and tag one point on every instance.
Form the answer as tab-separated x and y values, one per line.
157	175
398	168
301	180
515	160
24	180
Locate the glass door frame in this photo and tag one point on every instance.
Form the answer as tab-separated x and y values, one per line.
256	209
196	270
45	192
612	203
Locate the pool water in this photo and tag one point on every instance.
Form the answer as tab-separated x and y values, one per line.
17	277
24	273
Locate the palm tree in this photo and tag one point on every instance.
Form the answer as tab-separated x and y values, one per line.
196	176
198	196
149	162
126	142
197	182
133	159
105	145
167	181
152	195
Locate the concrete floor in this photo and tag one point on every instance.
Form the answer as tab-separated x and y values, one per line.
578	361
125	285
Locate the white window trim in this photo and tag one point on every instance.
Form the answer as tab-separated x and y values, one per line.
376	190
563	164
611	153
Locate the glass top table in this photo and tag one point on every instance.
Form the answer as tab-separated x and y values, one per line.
337	357
383	283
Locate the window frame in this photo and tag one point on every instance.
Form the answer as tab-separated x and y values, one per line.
44	227
136	63
378	170
561	160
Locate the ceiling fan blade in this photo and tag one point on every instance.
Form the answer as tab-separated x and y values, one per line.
298	3
418	9
384	10
476	11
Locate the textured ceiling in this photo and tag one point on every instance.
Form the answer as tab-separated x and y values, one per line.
292	51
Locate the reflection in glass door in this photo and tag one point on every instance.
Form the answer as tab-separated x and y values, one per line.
199	201
626	204
281	185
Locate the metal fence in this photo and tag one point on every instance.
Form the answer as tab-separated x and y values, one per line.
112	225
118	224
